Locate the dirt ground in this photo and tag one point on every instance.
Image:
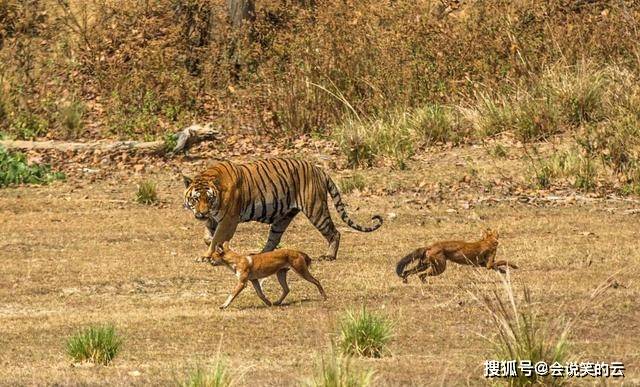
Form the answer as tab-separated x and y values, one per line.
78	253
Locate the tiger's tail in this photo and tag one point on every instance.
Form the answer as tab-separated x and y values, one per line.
337	201
409	258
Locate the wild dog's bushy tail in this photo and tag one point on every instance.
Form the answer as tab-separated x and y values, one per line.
412	256
337	202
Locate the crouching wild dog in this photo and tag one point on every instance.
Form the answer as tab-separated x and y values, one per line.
432	260
257	266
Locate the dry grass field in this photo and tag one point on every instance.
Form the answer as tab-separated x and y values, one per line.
75	254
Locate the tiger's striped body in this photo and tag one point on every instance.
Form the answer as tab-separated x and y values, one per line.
271	191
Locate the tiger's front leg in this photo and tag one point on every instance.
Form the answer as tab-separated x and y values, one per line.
209	230
224	232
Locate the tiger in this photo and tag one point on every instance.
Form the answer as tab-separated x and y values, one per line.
271	191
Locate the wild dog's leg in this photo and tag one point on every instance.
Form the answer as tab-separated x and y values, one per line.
421	266
209	229
282	278
278	228
437	265
241	285
321	219
491	260
258	288
302	270
224	232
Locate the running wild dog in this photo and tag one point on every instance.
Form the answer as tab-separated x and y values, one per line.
257	266
432	260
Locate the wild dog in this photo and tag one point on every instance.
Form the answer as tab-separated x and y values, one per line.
432	260
257	266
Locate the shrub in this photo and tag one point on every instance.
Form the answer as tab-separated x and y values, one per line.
96	344
71	116
217	375
14	169
147	192
334	370
364	334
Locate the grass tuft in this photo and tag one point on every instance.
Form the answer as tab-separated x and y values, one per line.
523	334
334	370
14	169
217	375
147	192
395	135
96	344
364	334
570	165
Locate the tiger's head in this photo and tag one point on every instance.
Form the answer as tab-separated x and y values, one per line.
201	197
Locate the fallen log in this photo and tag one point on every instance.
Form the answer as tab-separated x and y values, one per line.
183	140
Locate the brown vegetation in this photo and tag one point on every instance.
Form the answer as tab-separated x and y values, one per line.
104	67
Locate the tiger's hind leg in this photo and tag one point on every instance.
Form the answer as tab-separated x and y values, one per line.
328	230
278	228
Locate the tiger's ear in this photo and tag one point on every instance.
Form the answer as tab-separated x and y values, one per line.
219	249
187	181
225	245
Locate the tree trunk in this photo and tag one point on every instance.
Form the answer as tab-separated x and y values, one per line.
184	140
241	10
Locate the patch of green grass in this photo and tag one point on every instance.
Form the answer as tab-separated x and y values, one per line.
96	344
170	141
334	370
28	126
350	183
364	334
147	192
14	169
217	375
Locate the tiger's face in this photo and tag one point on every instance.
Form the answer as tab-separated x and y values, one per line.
201	198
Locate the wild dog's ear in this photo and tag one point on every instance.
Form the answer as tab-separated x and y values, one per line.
225	246
187	181
219	249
